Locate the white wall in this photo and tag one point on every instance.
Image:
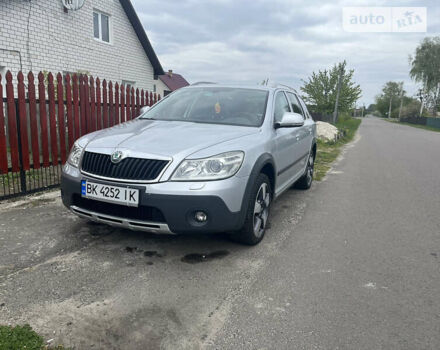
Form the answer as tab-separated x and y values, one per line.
160	87
48	39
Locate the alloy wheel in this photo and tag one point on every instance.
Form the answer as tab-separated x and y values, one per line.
261	209
310	169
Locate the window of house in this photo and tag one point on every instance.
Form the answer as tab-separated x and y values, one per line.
129	83
101	26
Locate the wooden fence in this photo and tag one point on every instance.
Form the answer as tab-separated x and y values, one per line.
41	119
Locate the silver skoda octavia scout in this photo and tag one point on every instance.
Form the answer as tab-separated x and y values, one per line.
207	158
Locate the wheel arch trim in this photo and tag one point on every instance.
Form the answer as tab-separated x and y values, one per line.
262	161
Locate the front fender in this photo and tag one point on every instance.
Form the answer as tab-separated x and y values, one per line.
260	163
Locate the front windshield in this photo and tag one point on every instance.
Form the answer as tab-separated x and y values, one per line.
215	105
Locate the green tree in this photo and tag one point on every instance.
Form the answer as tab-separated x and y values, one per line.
320	90
393	94
425	68
390	97
410	107
371	108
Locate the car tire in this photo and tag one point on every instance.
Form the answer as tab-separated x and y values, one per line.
305	181
257	213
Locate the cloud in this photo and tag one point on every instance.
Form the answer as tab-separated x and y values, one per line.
249	40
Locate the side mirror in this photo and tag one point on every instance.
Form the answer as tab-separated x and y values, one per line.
290	120
144	109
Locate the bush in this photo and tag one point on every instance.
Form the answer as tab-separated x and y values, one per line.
349	127
19	338
344	116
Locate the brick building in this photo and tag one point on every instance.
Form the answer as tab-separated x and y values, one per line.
104	38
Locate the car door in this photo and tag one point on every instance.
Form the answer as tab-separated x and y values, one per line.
286	144
304	144
309	124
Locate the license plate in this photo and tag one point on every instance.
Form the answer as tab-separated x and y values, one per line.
108	193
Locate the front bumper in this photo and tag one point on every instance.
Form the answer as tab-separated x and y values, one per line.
137	225
166	207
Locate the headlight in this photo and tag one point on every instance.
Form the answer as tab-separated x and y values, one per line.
213	168
75	155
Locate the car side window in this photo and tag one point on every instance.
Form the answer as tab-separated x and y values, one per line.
281	106
294	104
304	107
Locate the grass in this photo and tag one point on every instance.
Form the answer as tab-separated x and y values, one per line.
327	152
10	183
426	127
23	337
9	177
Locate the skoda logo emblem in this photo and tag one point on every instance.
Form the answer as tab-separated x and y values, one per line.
116	157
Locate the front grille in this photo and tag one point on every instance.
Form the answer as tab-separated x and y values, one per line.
143	212
127	169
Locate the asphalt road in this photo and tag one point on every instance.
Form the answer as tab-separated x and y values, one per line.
354	263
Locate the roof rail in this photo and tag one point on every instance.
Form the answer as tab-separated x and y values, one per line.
203	83
284	87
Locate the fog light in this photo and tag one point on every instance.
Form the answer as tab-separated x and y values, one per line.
200	216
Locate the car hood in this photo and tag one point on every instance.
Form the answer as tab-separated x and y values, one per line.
146	138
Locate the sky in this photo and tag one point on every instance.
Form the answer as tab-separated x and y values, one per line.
247	41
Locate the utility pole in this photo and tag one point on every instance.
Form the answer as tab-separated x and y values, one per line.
420	95
400	108
401	102
437	94
362	111
389	110
335	113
